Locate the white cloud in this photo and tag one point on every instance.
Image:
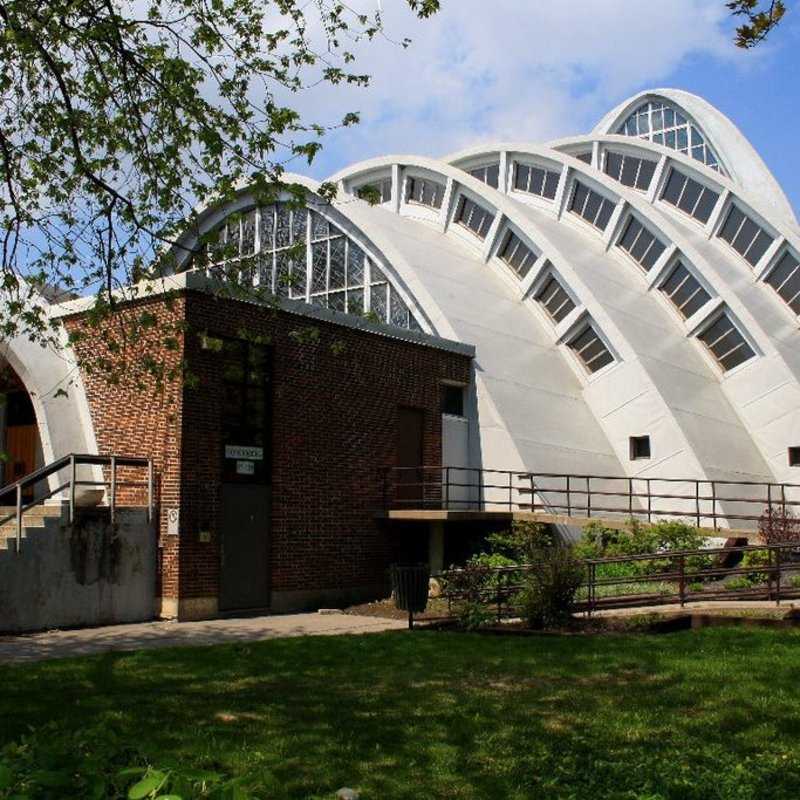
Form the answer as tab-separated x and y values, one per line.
508	69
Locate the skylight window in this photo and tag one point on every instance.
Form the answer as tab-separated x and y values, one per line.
591	206
591	350
472	216
641	245
689	196
726	343
684	291
375	189
488	174
662	124
517	255
555	300
425	192
745	236
535	180
785	280
629	170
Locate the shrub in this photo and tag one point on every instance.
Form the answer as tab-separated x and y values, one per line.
469	589
753	559
599	541
738	582
548	598
779	526
523	542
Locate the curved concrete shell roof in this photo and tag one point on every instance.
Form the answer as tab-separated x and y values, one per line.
740	159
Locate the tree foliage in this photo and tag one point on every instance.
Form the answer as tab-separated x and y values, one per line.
759	21
120	118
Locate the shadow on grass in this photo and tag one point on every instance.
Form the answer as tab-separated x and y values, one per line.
710	714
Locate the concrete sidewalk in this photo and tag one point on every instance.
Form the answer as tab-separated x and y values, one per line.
146	635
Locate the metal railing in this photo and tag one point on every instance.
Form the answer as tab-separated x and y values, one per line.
71	463
708	503
675	581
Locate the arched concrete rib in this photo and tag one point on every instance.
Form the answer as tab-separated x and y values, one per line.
667	226
639	396
770	415
740	159
525	389
52	379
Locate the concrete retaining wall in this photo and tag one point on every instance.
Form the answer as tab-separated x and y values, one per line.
82	574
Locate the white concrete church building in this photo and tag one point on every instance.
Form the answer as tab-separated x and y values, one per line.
632	294
620	307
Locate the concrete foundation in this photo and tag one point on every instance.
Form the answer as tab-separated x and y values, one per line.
87	573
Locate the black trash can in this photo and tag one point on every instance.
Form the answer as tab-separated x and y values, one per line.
410	584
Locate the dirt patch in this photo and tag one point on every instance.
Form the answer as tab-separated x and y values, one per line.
386	609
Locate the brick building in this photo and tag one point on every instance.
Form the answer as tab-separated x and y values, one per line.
272	455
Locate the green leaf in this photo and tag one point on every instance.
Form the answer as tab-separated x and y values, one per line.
6	777
150	784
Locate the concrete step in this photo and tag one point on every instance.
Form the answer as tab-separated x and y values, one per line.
45	510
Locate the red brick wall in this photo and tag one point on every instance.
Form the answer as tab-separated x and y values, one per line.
335	402
134	413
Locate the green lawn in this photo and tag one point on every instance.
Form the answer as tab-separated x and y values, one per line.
709	714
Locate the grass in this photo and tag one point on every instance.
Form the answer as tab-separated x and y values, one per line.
707	714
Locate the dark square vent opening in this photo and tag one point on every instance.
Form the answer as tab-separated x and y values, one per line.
639	447
453	400
794	456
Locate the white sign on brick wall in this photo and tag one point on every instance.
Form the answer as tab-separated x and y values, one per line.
240	452
173	521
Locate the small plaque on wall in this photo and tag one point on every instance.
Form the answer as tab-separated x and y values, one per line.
235	451
173	521
245	468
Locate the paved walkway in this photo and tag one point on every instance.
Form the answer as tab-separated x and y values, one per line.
145	635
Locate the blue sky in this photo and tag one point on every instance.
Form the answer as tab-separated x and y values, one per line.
526	70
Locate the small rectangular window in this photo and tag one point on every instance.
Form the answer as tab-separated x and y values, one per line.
555	300
726	343
517	255
425	192
591	350
591	206
585	157
453	400
684	291
640	244
794	456
371	191
536	180
488	174
785	280
629	170
689	196
639	447
745	236
472	216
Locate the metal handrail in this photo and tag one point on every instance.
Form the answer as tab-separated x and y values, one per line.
433	486
679	573
71	462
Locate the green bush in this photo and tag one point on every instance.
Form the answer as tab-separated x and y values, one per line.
599	541
522	542
548	598
752	560
738	582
